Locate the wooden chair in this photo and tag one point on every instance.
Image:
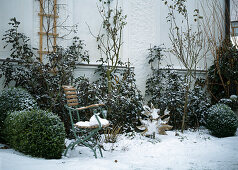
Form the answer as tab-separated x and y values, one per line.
87	129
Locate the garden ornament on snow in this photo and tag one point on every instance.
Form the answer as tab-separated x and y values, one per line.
154	124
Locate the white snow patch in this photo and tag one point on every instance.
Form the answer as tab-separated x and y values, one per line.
93	122
154	113
191	150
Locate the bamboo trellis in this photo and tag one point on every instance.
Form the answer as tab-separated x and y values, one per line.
45	32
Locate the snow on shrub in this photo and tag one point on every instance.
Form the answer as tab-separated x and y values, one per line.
14	99
221	121
124	103
35	132
232	102
166	88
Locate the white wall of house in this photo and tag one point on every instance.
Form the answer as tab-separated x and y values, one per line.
234	10
146	26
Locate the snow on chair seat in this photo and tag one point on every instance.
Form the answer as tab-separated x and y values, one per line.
93	123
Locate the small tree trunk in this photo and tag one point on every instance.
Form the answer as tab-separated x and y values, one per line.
188	81
185	109
109	88
109	82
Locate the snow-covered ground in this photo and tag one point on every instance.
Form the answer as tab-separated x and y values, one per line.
191	150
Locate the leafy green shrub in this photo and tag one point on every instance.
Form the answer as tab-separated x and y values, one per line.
116	85
221	120
223	74
35	132
154	84
232	102
173	98
43	80
14	99
124	103
166	89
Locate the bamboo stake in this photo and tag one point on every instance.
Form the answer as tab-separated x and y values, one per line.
54	24
41	29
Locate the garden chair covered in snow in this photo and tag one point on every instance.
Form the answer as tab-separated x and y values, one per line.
84	131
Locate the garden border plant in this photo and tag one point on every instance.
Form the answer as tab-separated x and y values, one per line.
165	89
119	92
109	39
223	73
221	121
188	44
125	101
43	80
35	132
14	99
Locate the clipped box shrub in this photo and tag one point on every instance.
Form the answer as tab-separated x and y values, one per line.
37	133
221	121
14	99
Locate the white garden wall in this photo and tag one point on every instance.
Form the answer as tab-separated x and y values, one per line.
146	26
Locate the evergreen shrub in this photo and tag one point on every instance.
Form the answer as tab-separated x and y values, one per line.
35	132
124	103
14	99
43	80
232	102
221	121
166	88
223	74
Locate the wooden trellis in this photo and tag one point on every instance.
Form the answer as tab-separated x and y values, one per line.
45	32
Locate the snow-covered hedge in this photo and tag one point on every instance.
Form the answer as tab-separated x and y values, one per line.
221	121
35	132
14	99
